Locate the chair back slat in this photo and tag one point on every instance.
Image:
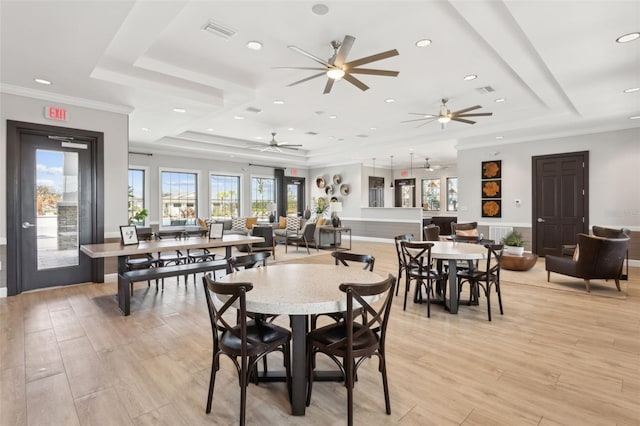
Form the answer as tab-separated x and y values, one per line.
343	257
417	254
248	261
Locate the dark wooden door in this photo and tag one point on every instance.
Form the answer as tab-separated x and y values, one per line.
560	200
405	193
53	197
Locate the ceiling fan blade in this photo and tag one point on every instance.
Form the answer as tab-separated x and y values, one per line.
477	114
345	47
418	119
328	86
462	120
287	144
306	79
298	68
374	72
422	114
351	79
310	56
466	109
291	147
372	58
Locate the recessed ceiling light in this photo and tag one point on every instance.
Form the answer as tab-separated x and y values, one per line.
209	129
320	9
470	77
278	102
257	137
631	90
423	43
333	116
499	137
238	117
389	100
373	128
628	37
254	45
499	100
145	129
42	81
291	129
634	117
180	110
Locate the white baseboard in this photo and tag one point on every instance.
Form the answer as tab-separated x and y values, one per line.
3	292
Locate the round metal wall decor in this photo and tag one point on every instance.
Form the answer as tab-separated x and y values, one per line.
337	179
320	182
344	189
328	189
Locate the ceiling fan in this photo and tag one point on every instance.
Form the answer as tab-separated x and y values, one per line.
335	68
444	116
431	168
274	146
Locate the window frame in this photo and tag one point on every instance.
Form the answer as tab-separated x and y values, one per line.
425	192
449	197
197	174
145	190
240	193
275	194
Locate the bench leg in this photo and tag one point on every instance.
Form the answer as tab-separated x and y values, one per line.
124	295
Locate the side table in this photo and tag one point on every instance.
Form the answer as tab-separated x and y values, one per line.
519	263
338	230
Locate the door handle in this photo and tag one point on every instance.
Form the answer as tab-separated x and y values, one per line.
26	225
541	220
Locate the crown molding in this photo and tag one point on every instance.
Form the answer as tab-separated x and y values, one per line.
69	100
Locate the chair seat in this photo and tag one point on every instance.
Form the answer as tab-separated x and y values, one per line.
257	331
200	255
336	332
140	263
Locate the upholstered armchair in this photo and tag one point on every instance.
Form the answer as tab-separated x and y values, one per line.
595	258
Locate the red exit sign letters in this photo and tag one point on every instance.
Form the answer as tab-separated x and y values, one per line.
55	113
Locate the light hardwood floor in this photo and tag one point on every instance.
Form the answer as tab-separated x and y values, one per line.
67	357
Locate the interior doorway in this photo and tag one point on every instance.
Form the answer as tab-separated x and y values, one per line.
560	200
55	204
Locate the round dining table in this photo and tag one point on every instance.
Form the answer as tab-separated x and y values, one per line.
299	290
453	252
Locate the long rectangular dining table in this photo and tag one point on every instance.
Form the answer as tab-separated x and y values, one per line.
299	290
453	252
97	251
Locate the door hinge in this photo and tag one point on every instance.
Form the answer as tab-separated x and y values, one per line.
582	219
583	192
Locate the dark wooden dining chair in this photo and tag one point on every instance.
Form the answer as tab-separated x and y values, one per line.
343	258
246	342
140	261
431	233
401	266
484	279
417	257
353	341
248	261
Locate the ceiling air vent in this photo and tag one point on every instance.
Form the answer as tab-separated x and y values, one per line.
362	135
219	30
311	133
254	109
485	89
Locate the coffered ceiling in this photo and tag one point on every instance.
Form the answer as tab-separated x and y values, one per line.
556	64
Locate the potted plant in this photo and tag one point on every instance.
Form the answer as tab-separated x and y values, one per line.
139	217
513	244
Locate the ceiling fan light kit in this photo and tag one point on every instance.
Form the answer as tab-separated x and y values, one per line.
336	67
445	116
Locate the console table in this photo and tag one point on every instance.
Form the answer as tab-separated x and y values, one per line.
335	230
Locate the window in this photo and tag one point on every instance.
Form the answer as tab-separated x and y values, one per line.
431	194
136	197
179	198
224	196
263	192
452	194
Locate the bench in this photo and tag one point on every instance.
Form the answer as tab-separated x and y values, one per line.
125	279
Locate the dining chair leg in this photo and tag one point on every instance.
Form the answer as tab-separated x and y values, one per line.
385	383
499	298
429	299
406	291
212	382
399	278
487	293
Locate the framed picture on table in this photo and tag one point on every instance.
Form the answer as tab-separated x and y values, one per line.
215	231
128	235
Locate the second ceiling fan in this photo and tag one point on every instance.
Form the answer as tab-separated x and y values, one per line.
444	115
275	146
335	68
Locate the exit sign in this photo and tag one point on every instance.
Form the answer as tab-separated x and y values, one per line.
55	113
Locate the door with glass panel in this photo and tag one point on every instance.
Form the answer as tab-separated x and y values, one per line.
56	211
295	195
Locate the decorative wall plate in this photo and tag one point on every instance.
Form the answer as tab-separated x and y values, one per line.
320	182
334	200
328	189
344	189
337	179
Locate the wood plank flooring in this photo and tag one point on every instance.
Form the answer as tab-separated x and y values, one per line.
67	357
